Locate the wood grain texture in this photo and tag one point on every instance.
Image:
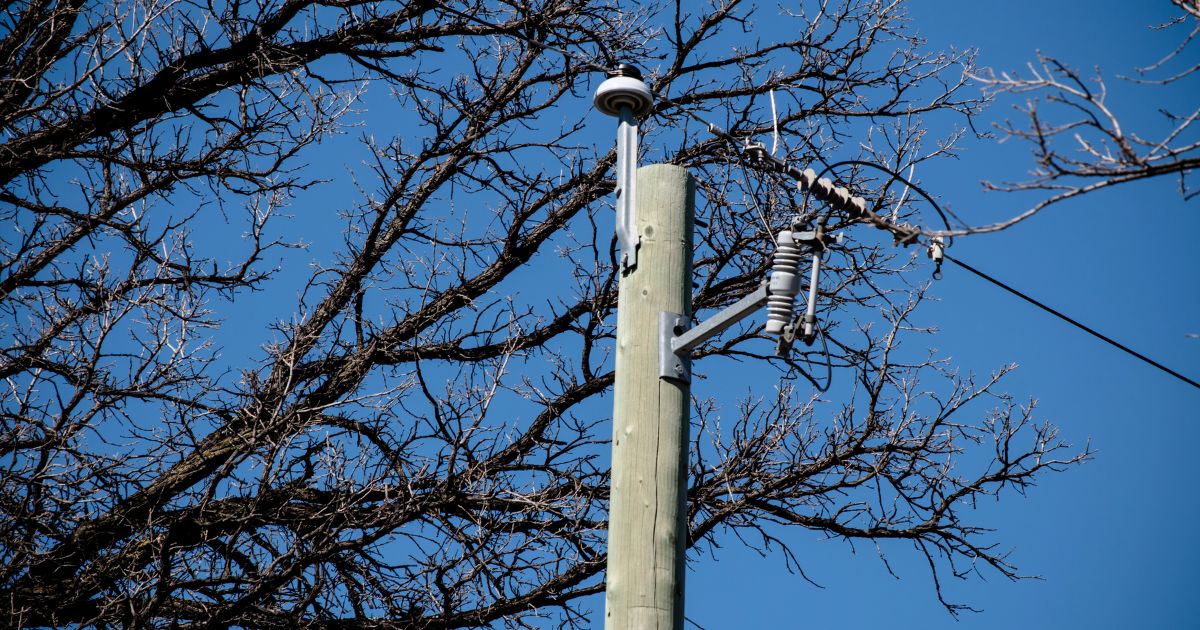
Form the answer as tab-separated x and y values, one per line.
650	415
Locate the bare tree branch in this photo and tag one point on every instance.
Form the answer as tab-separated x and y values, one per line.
413	435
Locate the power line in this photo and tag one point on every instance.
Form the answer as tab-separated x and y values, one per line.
1023	296
782	166
1073	322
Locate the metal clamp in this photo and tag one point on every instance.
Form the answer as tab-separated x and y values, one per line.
936	253
673	364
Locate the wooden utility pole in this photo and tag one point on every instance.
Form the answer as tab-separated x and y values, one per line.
647	528
655	210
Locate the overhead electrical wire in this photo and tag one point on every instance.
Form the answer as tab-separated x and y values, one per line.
1073	322
717	131
896	177
1006	287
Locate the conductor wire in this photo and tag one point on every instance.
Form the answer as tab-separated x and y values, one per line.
1110	341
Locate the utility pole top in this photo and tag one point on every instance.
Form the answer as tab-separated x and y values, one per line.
624	95
624	88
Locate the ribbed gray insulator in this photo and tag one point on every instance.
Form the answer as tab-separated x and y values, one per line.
823	188
840	198
807	179
785	283
858	207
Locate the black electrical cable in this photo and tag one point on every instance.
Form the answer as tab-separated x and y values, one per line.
828	359
1073	322
1044	307
1112	342
828	167
1048	309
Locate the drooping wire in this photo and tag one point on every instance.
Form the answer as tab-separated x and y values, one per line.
1112	342
824	352
1019	294
828	358
1073	322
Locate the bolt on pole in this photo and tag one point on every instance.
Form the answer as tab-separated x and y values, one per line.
648	497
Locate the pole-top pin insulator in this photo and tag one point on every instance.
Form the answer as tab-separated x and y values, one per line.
623	88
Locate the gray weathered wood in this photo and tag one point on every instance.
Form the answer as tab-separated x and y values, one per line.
650	416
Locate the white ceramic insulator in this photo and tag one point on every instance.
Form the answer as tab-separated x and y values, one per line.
823	188
784	285
937	249
858	206
807	179
840	198
617	92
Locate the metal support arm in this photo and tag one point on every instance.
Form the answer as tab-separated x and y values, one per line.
676	338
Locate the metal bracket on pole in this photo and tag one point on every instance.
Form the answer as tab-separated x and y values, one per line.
676	339
627	151
625	96
673	364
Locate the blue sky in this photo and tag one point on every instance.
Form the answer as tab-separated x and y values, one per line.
1111	539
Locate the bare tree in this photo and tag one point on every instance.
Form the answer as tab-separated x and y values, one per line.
416	435
1078	140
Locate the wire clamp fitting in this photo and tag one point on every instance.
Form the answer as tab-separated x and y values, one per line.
936	252
756	153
